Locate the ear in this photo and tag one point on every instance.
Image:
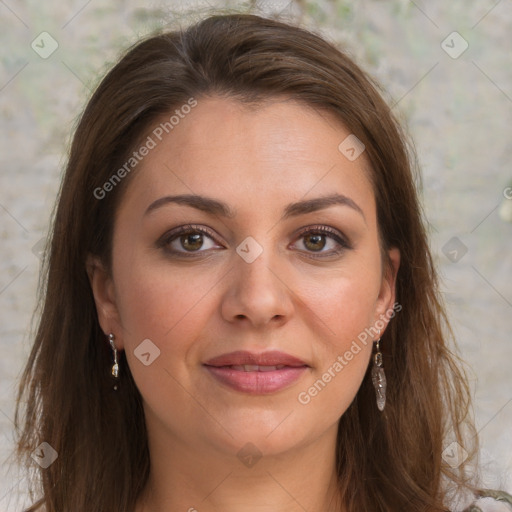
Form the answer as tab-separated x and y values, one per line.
387	293
103	290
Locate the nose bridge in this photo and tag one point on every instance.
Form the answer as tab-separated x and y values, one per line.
256	291
255	273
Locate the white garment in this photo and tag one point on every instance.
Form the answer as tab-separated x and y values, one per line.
492	505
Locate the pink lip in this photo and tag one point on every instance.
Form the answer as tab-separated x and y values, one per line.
257	381
270	358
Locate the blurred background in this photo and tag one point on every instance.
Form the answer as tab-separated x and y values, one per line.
446	72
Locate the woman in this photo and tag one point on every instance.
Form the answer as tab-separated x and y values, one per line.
241	310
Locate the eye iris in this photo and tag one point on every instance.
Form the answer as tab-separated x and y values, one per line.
196	240
315	238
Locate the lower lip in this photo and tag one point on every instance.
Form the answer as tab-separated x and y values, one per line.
257	383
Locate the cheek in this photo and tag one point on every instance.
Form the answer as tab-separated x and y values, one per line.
158	301
345	306
342	357
346	302
169	308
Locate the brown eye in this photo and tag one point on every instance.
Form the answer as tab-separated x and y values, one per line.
187	240
191	242
317	238
315	242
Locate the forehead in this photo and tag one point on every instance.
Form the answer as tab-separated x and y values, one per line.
258	156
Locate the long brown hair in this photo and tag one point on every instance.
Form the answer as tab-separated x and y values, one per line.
386	461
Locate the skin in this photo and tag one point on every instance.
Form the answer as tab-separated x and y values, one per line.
257	160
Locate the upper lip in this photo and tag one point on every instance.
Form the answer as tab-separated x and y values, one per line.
243	357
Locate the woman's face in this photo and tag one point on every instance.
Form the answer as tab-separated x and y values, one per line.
269	270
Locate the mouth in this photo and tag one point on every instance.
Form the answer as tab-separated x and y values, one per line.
254	367
270	359
253	373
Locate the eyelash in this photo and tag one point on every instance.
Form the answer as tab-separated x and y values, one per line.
310	230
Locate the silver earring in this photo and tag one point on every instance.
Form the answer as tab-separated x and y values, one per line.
379	377
115	366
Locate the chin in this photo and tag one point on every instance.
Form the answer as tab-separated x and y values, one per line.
268	434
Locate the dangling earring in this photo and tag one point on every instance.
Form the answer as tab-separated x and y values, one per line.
379	377
115	367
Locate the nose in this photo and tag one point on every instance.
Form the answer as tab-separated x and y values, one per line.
257	294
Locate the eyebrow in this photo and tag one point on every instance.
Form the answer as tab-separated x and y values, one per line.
215	207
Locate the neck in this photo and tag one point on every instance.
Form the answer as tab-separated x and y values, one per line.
199	478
